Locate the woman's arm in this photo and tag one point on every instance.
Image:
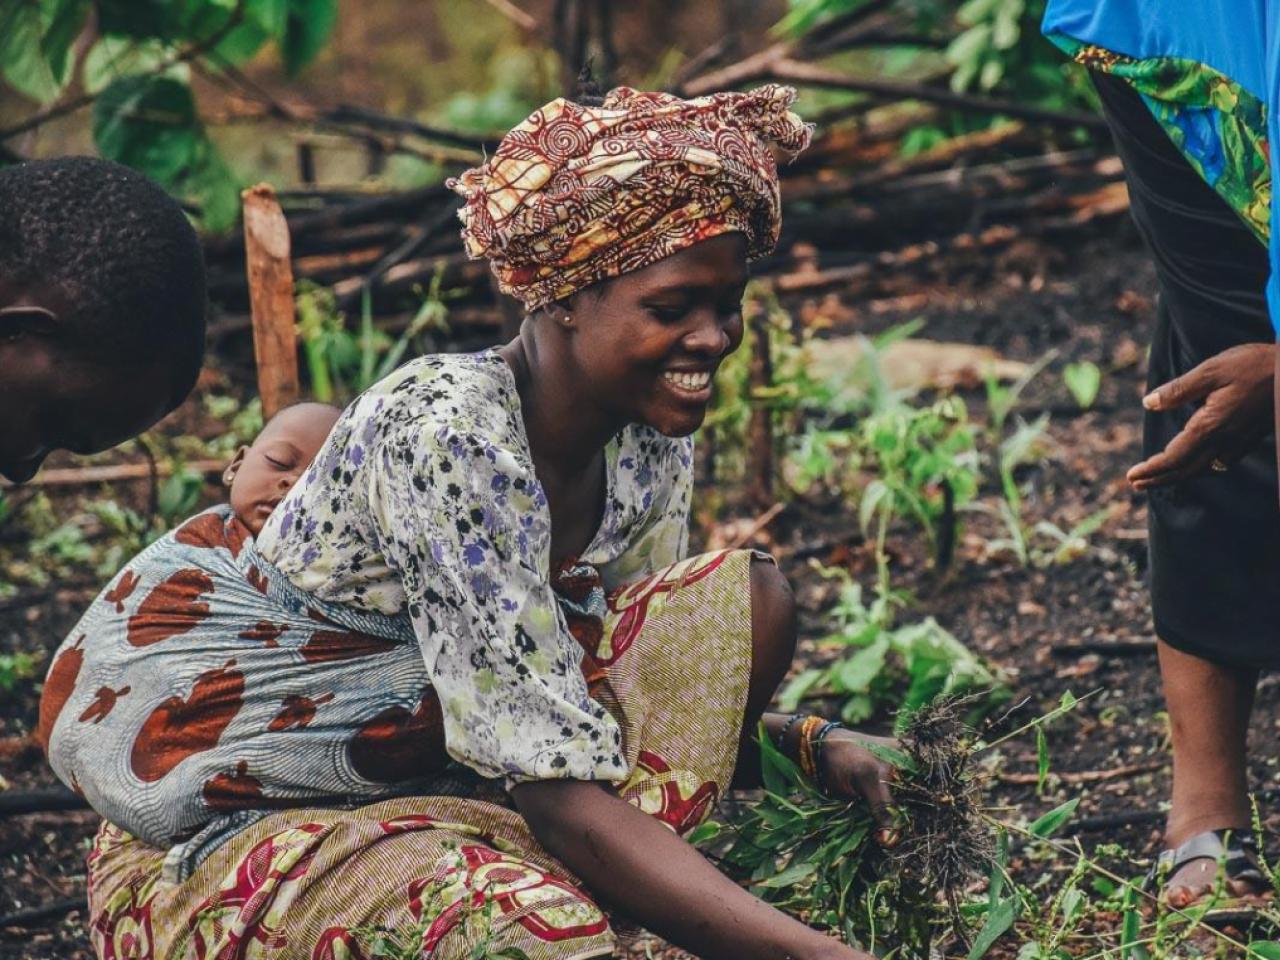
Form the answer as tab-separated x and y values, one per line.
636	864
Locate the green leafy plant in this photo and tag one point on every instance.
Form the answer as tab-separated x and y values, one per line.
342	363
1083	379
815	856
137	75
925	466
16	668
879	667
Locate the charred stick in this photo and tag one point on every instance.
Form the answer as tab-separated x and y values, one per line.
348	114
15	803
112	473
36	916
782	68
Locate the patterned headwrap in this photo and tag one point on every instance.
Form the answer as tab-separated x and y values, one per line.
575	194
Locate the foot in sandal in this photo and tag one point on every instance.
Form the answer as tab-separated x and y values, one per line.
1190	870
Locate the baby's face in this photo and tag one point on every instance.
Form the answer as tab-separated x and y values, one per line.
262	474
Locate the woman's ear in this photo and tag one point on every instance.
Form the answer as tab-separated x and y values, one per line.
229	475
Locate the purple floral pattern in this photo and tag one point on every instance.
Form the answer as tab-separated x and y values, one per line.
425	500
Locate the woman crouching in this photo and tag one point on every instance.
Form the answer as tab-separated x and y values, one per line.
527	692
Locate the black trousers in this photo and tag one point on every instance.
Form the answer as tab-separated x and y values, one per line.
1215	539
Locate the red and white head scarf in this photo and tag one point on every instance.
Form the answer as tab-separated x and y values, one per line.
575	194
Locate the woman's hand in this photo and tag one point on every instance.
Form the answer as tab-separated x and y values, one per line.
849	769
1236	387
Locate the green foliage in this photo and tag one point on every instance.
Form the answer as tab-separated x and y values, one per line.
814	855
342	363
995	48
145	114
35	44
16	668
1083	380
880	668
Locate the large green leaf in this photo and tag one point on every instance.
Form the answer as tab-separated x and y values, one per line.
22	60
1052	821
113	57
148	123
64	19
240	29
999	919
144	19
308	27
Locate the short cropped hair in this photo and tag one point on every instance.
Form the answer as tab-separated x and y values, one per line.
123	253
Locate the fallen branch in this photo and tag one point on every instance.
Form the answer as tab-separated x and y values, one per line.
112	473
47	911
15	803
513	13
1107	648
1086	776
782	68
760	523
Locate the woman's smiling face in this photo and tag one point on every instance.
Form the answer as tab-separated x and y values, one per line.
647	344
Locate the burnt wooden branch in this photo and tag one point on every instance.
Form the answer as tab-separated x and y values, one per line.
16	803
783	68
114	473
348	114
413	244
37	916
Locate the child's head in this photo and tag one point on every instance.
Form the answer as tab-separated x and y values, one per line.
102	308
260	475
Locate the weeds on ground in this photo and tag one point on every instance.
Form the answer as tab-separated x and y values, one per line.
16	668
815	856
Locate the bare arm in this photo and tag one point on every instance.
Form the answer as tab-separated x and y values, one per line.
634	863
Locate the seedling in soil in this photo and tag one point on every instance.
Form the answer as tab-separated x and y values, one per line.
883	666
1083	379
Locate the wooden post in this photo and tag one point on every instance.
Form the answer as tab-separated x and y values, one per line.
275	340
760	431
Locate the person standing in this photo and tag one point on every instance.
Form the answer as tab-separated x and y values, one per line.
1189	91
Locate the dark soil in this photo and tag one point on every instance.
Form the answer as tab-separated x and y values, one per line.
1092	301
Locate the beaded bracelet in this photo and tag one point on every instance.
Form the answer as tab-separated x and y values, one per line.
808	763
781	741
819	741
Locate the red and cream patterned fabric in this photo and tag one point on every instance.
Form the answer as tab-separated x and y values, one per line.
447	874
577	194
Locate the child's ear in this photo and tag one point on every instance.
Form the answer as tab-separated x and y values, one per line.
229	475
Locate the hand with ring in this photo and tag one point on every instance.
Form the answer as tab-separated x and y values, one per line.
1234	390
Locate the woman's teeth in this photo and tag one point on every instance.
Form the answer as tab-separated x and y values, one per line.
688	381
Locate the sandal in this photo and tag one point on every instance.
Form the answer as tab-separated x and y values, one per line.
1237	851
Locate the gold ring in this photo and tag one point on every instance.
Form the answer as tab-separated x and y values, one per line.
1217	466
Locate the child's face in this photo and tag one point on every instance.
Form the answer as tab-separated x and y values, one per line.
53	398
262	474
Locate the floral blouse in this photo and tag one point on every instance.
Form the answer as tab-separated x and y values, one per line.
425	499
